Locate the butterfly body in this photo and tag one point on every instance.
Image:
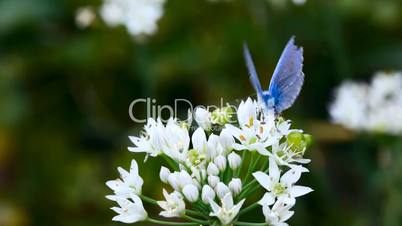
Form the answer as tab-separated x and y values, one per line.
286	81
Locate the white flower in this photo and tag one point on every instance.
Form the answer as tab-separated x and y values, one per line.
179	179
190	191
164	174
220	162
254	134
284	155
228	211
213	181
234	160
152	140
247	113
176	141
221	190
174	205
282	188
129	212
130	182
235	186
139	16
203	118
278	214
207	194
84	17
212	169
197	155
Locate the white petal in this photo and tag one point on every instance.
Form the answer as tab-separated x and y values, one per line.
297	190
274	171
134	167
267	199
227	201
263	179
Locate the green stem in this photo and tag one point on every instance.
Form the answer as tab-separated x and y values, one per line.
250	165
195	213
162	222
149	200
196	220
171	162
248	208
241	163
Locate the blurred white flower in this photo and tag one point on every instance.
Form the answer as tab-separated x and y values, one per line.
140	17
281	187
84	16
228	211
129	211
349	107
278	214
375	107
174	205
130	182
299	2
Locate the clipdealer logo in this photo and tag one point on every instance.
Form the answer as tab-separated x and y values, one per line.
155	110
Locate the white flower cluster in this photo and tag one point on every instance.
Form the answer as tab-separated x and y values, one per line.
139	16
210	174
375	107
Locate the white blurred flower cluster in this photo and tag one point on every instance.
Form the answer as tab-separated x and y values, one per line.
140	17
210	175
375	107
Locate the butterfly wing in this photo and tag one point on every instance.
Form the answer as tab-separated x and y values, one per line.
251	70
288	78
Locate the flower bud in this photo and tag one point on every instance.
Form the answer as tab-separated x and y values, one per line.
308	139
235	186
234	160
212	169
164	174
221	190
220	162
213	181
296	142
203	118
226	139
190	191
207	194
222	116
174	181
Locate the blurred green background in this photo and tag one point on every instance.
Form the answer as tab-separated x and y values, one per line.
65	93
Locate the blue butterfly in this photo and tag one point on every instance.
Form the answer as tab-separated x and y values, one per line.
286	82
